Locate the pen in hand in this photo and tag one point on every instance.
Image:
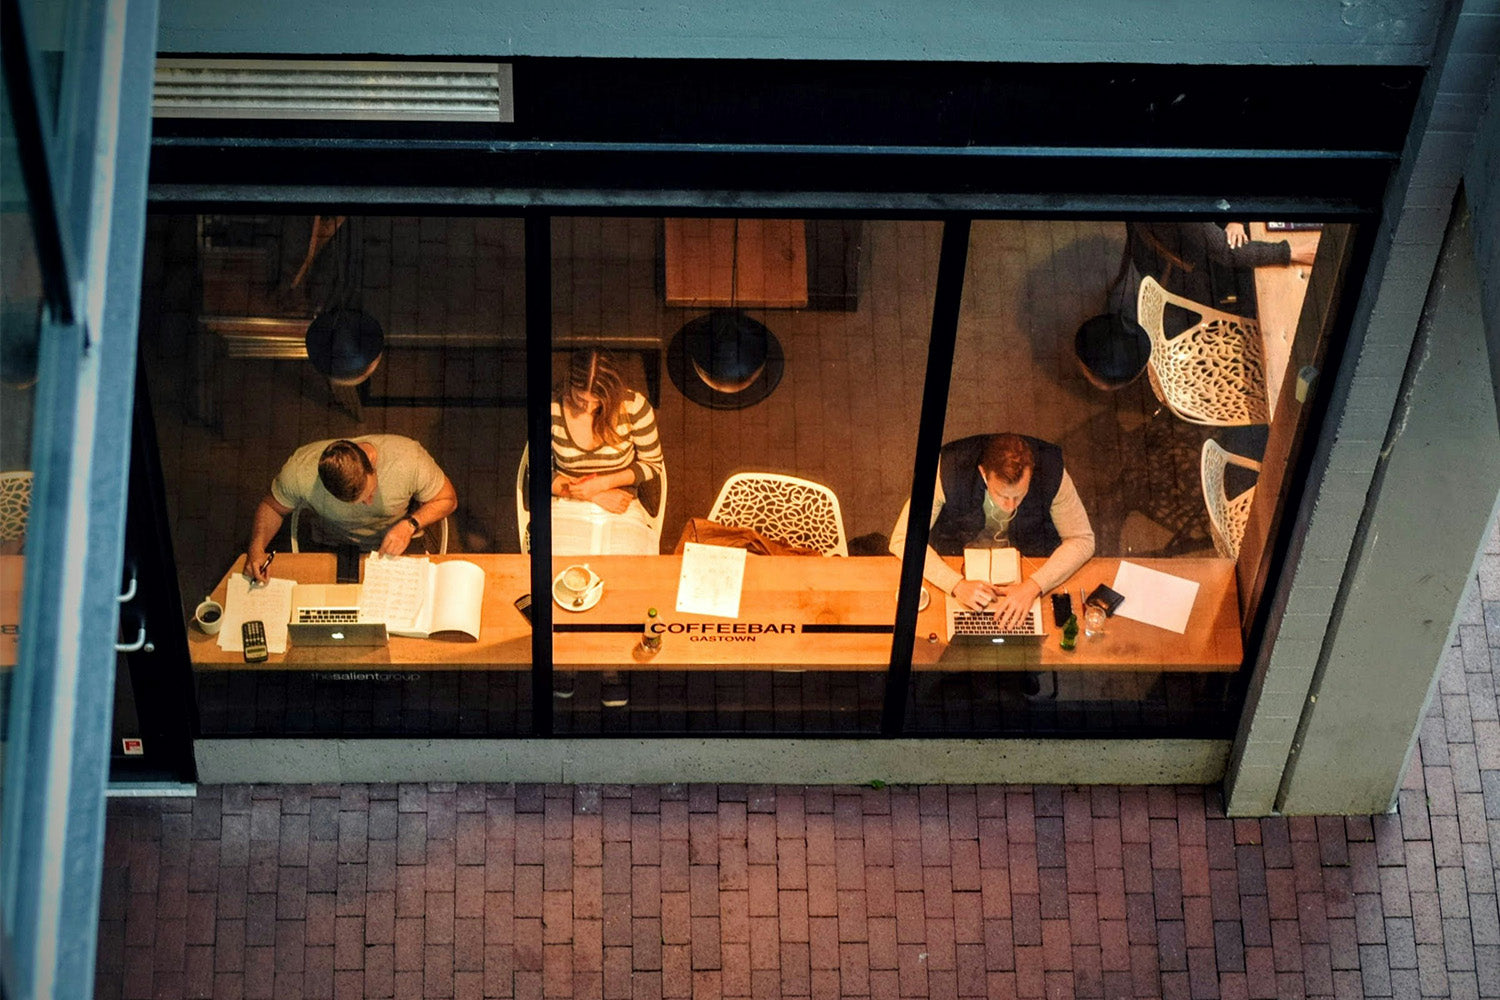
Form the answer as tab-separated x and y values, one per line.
265	566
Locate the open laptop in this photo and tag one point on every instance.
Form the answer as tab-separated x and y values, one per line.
978	628
327	614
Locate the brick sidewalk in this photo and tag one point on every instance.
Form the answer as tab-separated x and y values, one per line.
708	891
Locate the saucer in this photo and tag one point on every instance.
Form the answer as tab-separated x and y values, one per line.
590	597
922	601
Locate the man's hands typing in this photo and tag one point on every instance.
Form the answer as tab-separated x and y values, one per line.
1010	604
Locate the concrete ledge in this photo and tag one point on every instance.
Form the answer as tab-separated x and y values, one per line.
754	761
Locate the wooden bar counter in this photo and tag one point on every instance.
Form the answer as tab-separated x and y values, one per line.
795	613
1279	291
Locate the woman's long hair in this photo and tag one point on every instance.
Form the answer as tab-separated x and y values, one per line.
593	371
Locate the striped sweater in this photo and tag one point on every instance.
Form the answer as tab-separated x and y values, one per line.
640	452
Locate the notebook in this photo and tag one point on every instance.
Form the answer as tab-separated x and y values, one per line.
998	566
978	628
327	614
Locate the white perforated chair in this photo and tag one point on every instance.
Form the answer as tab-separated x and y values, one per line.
1211	373
1226	517
442	531
523	513
15	505
652	494
784	508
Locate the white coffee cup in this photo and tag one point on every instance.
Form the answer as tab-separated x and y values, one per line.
208	616
575	582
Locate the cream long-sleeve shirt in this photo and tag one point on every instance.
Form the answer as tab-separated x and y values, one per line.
1068	516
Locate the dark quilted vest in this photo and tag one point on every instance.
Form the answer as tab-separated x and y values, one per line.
962	517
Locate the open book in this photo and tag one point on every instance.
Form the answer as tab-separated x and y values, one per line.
1001	566
417	597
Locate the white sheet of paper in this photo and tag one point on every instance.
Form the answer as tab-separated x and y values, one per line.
583	528
395	588
711	580
271	602
1155	598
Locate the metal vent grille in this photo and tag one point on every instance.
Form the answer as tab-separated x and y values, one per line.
348	91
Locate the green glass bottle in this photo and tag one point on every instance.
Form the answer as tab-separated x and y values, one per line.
650	637
1069	633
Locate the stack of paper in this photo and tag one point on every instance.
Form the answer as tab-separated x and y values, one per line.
711	581
416	597
270	602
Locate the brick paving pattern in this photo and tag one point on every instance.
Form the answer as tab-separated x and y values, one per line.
622	892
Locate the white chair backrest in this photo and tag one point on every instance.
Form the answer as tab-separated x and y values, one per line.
523	514
15	504
657	518
1226	517
441	525
784	508
1211	373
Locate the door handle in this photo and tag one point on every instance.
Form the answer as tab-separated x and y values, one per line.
140	644
129	594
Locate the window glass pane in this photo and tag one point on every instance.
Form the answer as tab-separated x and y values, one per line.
48	23
1109	468
790	353
20	311
264	334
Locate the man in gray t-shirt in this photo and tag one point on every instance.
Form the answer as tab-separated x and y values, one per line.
374	492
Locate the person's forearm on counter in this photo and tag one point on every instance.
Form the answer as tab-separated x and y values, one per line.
934	569
263	527
1077	547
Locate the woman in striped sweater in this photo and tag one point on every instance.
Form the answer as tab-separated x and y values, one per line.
604	439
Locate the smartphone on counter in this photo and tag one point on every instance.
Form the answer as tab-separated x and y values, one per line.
1062	608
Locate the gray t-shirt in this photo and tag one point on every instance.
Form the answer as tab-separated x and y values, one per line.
403	472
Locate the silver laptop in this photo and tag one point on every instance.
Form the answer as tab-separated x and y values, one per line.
979	628
327	614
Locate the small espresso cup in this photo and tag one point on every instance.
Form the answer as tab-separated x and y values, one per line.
208	616
576	581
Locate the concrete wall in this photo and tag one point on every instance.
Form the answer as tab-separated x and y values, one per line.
1482	182
1436	488
1352	32
714	759
1305	637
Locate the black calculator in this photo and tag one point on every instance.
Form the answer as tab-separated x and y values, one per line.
254	635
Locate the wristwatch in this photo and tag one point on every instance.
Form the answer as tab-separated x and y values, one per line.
416	525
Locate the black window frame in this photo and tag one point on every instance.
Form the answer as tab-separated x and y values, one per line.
592	164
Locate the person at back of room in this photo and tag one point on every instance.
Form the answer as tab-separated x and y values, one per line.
373	492
1003	490
605	444
1212	264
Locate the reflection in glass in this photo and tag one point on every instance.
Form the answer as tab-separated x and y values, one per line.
265	338
20	314
48	24
783	362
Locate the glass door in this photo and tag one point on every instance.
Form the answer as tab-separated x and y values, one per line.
155	718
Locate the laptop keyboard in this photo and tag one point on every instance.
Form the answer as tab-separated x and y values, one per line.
327	616
983	623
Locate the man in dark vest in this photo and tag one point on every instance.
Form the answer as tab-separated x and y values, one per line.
997	490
